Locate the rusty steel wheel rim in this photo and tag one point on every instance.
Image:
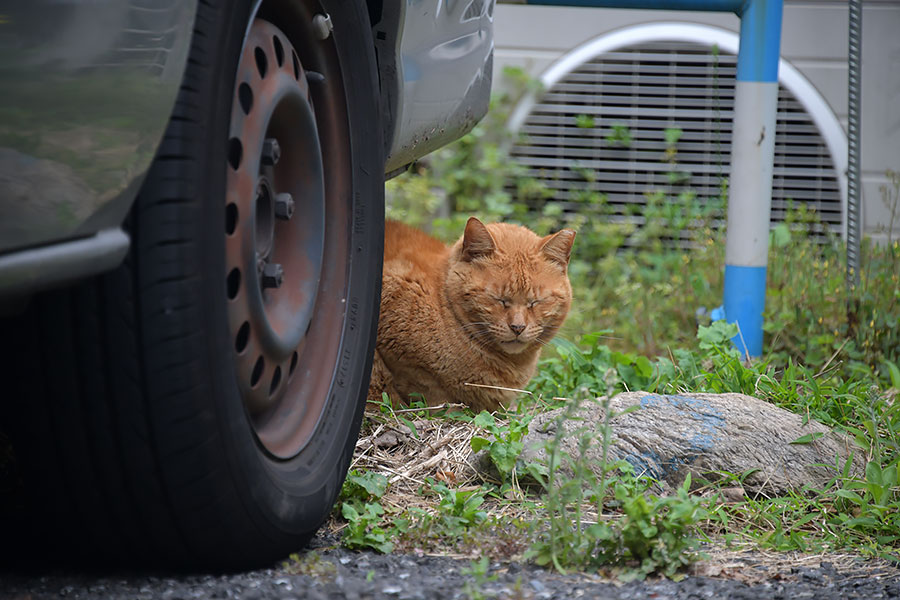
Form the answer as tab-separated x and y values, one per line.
282	218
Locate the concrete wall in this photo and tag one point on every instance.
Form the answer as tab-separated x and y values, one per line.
814	40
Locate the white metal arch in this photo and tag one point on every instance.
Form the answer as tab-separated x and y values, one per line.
805	93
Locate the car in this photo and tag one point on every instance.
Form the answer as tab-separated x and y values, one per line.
191	232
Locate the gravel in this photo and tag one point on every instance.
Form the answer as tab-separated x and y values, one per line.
327	573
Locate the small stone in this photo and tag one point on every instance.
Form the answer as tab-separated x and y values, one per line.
733	494
389	439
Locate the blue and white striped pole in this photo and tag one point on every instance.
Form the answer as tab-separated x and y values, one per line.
750	183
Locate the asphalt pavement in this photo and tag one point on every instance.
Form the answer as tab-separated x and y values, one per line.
327	572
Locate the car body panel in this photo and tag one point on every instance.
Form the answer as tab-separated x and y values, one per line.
87	91
438	84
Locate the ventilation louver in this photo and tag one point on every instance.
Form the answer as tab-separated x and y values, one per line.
646	89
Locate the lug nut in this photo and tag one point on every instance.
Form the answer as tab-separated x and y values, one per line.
322	26
272	276
284	206
271	152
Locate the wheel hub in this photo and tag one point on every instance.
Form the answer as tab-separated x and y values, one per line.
275	221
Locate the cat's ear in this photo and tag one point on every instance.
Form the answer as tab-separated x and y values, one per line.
477	241
558	247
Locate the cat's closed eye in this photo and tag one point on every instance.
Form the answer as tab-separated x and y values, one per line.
533	303
504	302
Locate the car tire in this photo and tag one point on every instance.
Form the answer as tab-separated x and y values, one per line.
199	407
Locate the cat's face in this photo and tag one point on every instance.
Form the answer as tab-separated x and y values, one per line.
509	287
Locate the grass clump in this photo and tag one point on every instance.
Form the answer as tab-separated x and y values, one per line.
363	513
611	521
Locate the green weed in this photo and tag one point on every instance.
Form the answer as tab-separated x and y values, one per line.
633	532
311	564
457	510
477	571
364	528
506	447
364	515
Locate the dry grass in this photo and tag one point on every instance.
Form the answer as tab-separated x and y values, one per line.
435	448
438	448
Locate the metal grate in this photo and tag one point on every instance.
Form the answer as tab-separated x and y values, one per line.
647	89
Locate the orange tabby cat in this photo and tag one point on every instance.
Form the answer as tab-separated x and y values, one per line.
477	312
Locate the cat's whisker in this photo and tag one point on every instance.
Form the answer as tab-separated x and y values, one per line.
473	325
472	332
479	331
483	343
483	339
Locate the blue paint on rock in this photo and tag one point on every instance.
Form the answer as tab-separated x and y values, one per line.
645	465
710	431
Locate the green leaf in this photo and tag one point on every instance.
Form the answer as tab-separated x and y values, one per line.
716	334
349	513
808	438
894	372
889	476
781	235
584	121
379	543
622	358
591	339
375	484
643	366
506	455
672	134
868	522
665	369
851	496
479	443
485	420
410	424
538	472
373	510
873	473
805	519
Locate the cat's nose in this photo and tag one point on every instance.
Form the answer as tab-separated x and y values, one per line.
517	329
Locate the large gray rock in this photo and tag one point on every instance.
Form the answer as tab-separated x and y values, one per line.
669	436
